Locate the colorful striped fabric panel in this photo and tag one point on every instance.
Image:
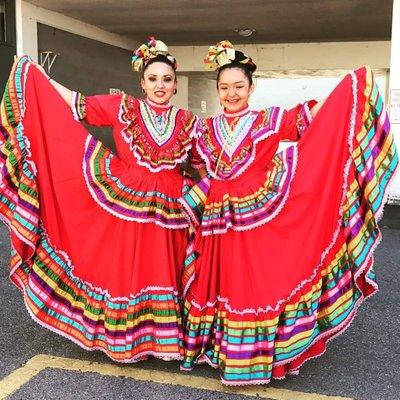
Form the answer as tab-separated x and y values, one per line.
125	328
248	210
194	197
19	199
249	348
375	159
252	348
122	201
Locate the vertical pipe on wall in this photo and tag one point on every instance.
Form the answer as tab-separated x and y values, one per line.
394	92
26	27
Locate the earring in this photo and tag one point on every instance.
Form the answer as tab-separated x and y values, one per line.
175	91
144	92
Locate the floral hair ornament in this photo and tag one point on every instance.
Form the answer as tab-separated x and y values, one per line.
224	53
148	51
220	54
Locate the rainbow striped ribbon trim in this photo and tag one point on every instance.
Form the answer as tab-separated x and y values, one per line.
254	347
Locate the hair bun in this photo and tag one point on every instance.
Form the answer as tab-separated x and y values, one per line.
223	53
246	60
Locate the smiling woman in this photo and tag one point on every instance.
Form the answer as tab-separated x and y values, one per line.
159	81
281	246
234	89
84	222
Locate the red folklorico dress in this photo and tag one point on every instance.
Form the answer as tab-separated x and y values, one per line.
282	255
98	239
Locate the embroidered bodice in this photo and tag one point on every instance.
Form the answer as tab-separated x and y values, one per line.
159	137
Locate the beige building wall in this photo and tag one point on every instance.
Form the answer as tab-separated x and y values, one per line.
280	61
298	56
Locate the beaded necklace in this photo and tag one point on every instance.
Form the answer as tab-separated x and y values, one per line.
160	127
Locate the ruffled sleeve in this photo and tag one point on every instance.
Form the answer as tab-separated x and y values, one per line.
100	110
295	121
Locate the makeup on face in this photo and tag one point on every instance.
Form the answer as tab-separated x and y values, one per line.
234	89
159	83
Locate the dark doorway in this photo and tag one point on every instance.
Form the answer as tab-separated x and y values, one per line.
7	39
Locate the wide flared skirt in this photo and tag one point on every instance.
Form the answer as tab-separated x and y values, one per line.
263	298
97	245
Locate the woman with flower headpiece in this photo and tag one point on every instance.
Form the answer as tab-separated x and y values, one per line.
98	239
283	251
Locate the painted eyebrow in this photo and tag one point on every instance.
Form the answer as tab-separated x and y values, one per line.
235	83
164	76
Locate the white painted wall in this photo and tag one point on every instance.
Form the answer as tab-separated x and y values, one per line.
394	85
287	92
